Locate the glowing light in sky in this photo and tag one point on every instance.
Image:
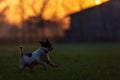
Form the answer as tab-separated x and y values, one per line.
97	2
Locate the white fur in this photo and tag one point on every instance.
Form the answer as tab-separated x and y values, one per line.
36	56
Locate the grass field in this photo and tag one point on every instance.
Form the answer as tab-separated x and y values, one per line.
77	62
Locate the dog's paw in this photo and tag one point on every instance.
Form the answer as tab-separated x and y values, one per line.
56	66
45	69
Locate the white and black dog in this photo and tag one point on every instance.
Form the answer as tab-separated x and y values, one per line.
39	56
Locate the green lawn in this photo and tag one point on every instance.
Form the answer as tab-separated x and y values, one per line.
77	62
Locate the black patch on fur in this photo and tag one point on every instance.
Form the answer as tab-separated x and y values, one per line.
46	44
45	51
29	54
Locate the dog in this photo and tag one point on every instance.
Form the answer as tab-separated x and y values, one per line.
39	56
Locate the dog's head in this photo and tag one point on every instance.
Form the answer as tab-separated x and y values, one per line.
46	44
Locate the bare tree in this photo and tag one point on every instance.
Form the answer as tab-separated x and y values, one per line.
41	22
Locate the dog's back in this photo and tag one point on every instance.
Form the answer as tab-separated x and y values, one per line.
36	55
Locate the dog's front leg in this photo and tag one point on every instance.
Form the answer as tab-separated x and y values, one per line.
44	66
40	61
47	60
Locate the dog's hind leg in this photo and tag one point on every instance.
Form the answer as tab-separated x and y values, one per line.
22	67
21	64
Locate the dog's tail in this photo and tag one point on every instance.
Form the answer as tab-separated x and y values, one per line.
21	51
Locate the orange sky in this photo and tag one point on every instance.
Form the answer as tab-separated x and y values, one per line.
17	10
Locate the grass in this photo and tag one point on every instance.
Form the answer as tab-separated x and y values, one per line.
77	62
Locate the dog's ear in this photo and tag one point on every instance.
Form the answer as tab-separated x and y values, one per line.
47	41
40	42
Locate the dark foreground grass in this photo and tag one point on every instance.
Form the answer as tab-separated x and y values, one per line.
77	62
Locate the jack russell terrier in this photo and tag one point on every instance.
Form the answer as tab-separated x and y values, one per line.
39	56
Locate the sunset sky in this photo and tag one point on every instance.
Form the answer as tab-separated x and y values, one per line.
17	10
